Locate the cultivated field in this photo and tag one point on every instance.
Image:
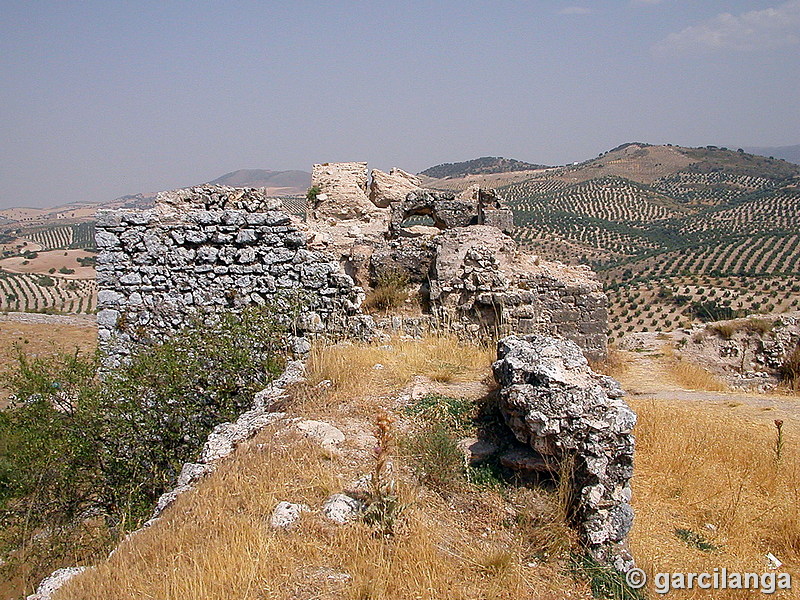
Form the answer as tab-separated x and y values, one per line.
711	235
28	292
60	263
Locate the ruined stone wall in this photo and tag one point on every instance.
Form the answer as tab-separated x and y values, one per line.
574	422
481	281
209	249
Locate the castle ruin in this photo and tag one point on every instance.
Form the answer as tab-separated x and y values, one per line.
206	249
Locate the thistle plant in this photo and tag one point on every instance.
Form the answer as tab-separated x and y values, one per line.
778	439
383	505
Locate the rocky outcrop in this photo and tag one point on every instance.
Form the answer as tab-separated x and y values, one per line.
393	186
748	353
570	416
50	585
411	257
481	281
343	191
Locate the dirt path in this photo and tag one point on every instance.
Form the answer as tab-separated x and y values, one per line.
647	376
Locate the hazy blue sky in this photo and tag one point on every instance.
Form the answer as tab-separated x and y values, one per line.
104	98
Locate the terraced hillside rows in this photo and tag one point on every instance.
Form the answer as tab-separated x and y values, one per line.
78	235
30	292
673	302
722	215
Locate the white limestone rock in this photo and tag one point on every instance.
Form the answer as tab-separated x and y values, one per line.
286	514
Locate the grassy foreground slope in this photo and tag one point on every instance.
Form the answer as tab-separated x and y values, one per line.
704	498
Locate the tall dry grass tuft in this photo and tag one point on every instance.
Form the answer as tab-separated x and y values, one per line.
715	478
691	376
694	377
614	364
790	370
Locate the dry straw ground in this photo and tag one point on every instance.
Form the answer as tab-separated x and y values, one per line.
697	470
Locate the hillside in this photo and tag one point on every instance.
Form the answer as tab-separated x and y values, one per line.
688	233
788	153
479	166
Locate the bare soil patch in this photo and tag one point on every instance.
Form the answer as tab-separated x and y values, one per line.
39	339
54	259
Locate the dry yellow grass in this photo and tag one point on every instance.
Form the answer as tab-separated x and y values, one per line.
615	364
700	469
694	377
39	339
216	543
696	468
365	369
690	376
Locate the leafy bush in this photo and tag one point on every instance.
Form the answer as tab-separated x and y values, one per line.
711	311
74	446
604	580
435	456
433	448
88	261
312	193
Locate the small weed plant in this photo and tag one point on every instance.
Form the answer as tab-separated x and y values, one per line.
383	504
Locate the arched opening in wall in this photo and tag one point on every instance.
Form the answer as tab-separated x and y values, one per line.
424	220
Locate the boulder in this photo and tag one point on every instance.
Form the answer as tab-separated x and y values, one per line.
342	509
325	434
286	514
568	415
343	192
390	187
50	585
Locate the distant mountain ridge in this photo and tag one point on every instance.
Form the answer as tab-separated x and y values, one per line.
479	166
789	153
292	182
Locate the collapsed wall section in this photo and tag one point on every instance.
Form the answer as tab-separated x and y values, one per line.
159	269
480	281
576	422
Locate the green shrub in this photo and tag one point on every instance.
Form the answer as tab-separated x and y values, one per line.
312	193
73	445
456	413
605	581
695	540
435	457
